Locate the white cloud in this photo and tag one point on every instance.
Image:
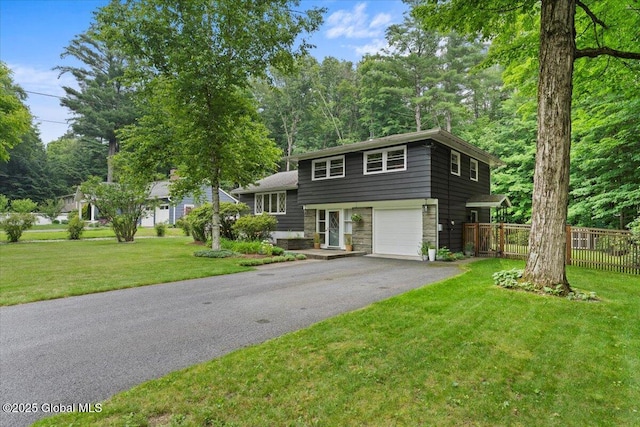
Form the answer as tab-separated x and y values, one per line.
375	46
355	24
41	80
45	109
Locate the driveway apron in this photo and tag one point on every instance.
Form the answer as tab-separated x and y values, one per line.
61	354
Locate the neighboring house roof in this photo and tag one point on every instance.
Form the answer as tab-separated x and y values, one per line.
489	201
280	181
436	134
161	190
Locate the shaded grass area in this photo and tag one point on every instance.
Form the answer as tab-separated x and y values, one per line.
47	270
60	233
459	352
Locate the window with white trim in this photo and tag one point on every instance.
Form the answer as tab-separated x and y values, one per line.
271	203
332	167
473	169
387	160
455	163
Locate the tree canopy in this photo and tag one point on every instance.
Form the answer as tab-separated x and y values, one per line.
563	37
103	104
15	120
195	61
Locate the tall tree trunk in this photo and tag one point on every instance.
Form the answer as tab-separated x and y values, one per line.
215	201
113	149
418	115
546	262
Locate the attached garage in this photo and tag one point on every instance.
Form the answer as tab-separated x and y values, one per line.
397	231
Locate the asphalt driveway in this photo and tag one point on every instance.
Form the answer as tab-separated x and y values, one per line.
81	350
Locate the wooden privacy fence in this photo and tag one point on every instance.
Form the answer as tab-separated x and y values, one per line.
614	250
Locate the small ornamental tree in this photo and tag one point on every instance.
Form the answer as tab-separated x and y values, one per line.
19	219
199	220
255	227
122	203
51	208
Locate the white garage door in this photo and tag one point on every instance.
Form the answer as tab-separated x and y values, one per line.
397	231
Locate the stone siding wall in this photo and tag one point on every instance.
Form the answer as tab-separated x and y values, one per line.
363	230
429	225
309	223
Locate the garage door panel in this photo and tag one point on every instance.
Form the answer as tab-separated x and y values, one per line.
397	231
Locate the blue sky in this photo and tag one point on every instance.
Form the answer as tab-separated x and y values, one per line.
33	34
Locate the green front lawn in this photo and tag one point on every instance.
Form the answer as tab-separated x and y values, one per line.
59	232
45	270
459	352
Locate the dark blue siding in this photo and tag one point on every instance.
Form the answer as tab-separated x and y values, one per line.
293	220
413	183
453	191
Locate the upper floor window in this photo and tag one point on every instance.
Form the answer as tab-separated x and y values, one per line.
387	160
455	163
332	167
473	170
271	203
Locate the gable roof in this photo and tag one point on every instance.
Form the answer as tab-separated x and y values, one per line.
489	201
280	181
437	134
161	190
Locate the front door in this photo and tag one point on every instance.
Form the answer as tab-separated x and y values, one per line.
334	229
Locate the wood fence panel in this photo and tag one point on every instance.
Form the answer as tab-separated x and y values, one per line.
611	250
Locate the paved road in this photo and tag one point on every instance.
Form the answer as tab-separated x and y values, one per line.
81	350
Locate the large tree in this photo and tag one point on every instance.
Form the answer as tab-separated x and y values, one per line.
559	46
26	174
102	105
15	120
198	58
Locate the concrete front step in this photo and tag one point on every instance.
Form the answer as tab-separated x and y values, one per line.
327	254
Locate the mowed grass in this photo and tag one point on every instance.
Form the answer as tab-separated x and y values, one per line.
459	352
46	270
58	232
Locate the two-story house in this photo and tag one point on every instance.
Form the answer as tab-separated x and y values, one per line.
389	194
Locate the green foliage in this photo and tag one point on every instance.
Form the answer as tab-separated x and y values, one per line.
242	247
75	228
229	212
209	253
445	254
199	222
26	173
269	260
51	208
424	247
15	119
15	223
102	105
255	227
512	279
183	223
507	278
613	245
197	109
266	248
4	203
161	229
72	160
23	206
123	204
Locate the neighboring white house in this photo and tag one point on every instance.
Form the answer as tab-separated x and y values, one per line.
167	211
